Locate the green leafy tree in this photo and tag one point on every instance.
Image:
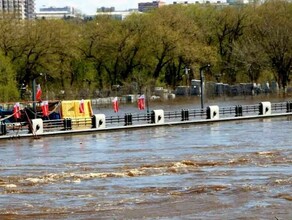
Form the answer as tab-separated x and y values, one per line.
230	25
91	53
162	39
8	85
9	37
113	48
273	30
64	58
222	28
97	48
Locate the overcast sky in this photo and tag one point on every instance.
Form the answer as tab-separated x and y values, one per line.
90	6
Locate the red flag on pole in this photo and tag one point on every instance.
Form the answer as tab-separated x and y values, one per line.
16	111
81	106
141	102
45	108
116	104
39	93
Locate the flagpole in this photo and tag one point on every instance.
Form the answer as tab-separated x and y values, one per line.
33	97
34	93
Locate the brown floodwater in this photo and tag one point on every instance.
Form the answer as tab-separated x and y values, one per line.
228	170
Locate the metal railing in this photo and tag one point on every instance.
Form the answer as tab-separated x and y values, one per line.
14	129
18	128
54	125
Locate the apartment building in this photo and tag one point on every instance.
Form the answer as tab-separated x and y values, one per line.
20	9
146	6
238	2
58	13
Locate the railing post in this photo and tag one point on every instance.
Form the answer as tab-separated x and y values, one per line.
67	124
289	106
238	110
185	114
98	121
128	119
213	112
157	117
265	108
3	128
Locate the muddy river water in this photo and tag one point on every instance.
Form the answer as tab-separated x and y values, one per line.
227	170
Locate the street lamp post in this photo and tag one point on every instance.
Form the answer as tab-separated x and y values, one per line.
202	83
187	79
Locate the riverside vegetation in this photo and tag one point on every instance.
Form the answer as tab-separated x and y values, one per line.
85	59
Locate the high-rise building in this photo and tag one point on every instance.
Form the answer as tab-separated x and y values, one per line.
29	9
20	9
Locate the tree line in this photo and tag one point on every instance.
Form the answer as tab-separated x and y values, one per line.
85	59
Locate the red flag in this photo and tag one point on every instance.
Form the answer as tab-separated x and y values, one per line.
81	106
16	111
141	102
116	104
39	93
45	108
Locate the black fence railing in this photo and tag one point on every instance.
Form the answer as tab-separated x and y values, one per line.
128	119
